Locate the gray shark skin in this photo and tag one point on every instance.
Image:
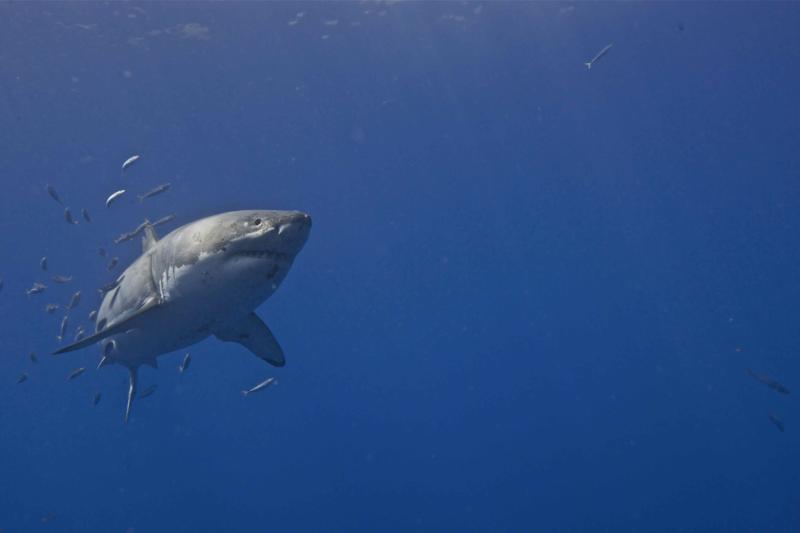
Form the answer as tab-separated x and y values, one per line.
205	278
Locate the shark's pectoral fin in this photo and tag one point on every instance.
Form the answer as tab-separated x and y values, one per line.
254	335
123	323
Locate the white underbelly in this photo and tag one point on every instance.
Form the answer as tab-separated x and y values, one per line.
196	298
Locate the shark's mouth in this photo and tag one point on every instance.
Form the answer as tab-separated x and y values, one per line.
265	254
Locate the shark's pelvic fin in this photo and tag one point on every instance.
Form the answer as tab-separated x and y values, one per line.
253	334
103	362
131	392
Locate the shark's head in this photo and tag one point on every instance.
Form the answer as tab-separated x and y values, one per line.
277	235
247	254
241	256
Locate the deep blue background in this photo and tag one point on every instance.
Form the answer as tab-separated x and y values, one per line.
529	297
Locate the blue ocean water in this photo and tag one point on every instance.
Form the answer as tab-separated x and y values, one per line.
528	301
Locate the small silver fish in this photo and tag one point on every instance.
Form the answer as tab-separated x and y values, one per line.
32	356
164	187
141	227
96	398
22	378
597	57
111	286
124	238
85	214
93	315
131	160
79	333
51	308
43	263
777	421
36	288
184	366
75	373
61	279
111	264
163	220
53	194
102	252
114	196
768	381
74	301
148	391
68	216
131	234
261	386
63	329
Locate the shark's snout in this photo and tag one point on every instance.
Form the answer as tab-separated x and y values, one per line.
295	225
287	231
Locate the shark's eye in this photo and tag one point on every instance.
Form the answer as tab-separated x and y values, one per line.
257	222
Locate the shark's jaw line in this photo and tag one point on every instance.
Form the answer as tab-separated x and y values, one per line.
266	254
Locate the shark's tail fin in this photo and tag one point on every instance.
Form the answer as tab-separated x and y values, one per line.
588	65
245	392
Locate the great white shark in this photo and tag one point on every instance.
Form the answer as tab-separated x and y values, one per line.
205	278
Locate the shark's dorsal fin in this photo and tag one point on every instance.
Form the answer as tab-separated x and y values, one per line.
127	322
253	334
149	239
